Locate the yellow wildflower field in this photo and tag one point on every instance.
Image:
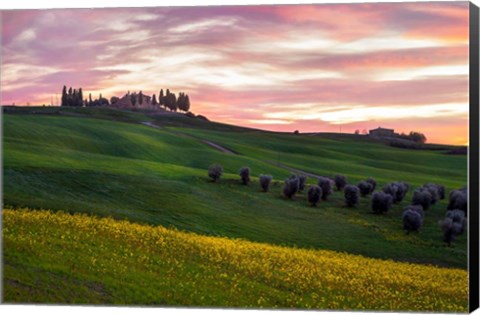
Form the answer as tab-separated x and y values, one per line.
142	264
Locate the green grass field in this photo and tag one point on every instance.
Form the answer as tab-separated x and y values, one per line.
105	162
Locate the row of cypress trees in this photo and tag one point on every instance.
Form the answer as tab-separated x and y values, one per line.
169	100
74	97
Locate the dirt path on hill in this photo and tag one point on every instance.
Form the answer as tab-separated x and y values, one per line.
150	124
218	147
228	151
209	143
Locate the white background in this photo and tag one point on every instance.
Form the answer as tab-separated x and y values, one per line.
44	4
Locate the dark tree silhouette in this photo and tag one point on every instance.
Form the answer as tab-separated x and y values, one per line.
417	137
302	180
351	194
245	175
340	181
113	100
453	225
381	202
265	181
186	105
434	192
172	102
154	100
423	197
458	200
412	220
64	96
314	194
372	182
215	171
291	187
365	188
397	190
80	97
326	185
161	98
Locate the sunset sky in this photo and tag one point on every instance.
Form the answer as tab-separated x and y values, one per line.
307	67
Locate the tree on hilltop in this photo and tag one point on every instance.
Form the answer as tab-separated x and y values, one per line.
186	105
64	96
80	97
113	100
172	102
73	101
154	100
180	100
183	102
161	98
417	137
167	99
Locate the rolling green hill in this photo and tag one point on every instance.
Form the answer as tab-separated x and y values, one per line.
105	162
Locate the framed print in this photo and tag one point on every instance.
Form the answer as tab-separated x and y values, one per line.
293	157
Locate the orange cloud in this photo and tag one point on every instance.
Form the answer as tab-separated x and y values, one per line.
261	66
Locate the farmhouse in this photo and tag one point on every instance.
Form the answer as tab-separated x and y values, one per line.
126	101
382	132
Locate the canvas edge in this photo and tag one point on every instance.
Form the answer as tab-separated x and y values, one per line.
473	159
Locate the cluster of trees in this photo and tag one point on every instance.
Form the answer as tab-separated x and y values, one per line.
171	102
412	218
100	101
453	225
381	201
168	100
455	220
414	136
74	97
428	195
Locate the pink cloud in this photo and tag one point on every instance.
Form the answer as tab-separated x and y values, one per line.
245	61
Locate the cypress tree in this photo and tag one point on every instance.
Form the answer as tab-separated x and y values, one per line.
80	97
64	96
73	101
173	102
167	99
69	97
180	101
187	103
140	98
161	99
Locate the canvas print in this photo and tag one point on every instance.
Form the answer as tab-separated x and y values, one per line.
264	156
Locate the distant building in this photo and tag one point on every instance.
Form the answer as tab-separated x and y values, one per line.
126	101
382	132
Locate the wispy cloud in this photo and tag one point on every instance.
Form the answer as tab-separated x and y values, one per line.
308	67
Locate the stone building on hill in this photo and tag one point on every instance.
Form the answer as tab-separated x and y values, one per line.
382	132
126	102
